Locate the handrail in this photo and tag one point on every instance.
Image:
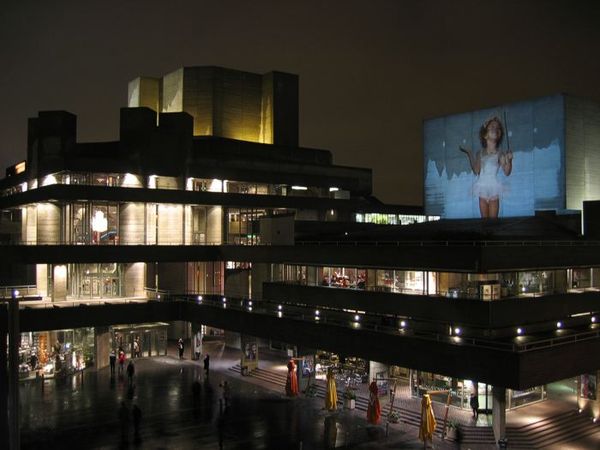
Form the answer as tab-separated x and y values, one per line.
415	243
457	243
307	314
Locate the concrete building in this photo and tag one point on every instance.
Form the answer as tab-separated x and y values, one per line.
207	201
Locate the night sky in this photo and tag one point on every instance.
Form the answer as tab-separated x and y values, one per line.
370	71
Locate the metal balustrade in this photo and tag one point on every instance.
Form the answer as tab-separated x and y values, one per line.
325	316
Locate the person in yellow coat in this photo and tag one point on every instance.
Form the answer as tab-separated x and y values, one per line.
331	394
428	422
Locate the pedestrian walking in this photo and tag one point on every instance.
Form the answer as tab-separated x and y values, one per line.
226	393
124	423
180	347
130	371
136	413
474	402
206	363
136	347
113	360
121	360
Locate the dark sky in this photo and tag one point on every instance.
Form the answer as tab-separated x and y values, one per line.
370	71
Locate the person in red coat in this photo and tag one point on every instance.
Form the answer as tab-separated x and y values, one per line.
374	409
291	384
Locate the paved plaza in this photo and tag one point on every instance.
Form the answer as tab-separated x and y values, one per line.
82	411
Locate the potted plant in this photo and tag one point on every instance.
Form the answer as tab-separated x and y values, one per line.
452	430
394	417
349	399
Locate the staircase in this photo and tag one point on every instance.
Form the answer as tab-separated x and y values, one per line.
553	430
362	403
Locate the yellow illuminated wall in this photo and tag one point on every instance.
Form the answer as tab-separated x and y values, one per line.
144	91
226	103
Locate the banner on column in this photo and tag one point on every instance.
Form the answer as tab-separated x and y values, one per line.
249	353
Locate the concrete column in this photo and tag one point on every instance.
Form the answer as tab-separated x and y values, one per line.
131	223
233	339
29	224
48	223
151	223
41	279
134	279
187	224
14	339
101	347
499	412
4	441
170	224
260	273
59	284
214	227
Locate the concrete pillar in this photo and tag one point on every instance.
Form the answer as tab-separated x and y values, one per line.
41	279
29	224
260	273
214	227
101	347
4	442
59	283
151	218
14	338
237	283
170	224
134	280
233	339
131	223
499	412
187	224
48	223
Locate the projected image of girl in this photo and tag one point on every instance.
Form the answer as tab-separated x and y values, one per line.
486	163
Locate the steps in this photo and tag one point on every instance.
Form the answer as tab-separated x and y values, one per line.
554	430
558	429
362	403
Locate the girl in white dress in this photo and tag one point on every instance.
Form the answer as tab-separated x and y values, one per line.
486	163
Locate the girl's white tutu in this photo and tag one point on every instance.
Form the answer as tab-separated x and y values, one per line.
487	185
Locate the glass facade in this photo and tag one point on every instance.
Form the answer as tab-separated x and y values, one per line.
444	284
136	341
55	353
104	280
461	390
393	219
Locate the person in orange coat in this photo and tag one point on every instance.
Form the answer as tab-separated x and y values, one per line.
291	384
374	409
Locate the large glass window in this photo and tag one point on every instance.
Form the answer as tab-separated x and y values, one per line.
55	353
95	223
95	280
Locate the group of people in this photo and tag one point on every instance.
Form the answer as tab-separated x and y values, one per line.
344	281
113	356
130	366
